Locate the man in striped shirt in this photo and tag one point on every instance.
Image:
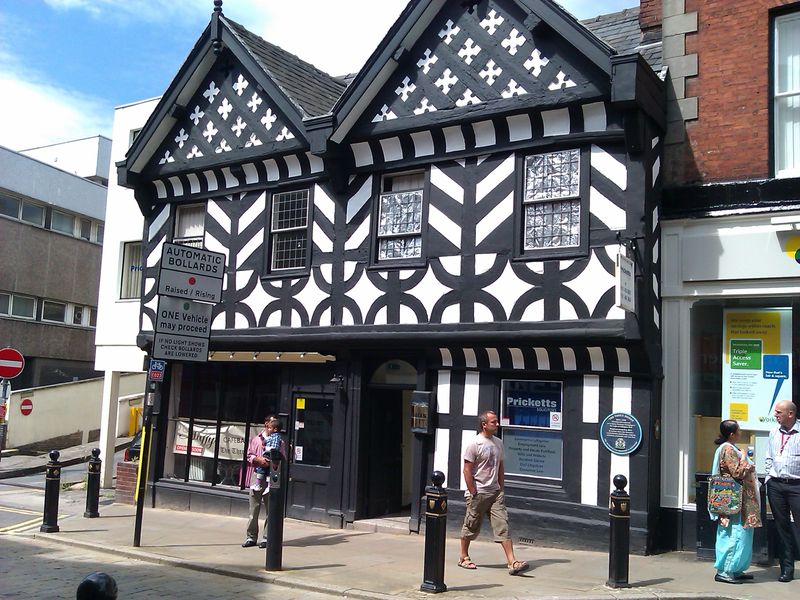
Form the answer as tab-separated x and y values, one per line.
782	464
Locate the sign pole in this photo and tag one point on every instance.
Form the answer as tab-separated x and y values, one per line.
5	394
144	461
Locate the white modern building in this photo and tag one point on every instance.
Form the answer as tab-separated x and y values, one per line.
120	281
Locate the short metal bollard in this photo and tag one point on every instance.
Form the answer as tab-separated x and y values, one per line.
435	535
619	513
274	561
93	485
52	487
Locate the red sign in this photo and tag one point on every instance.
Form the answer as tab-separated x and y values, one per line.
11	363
2	410
26	406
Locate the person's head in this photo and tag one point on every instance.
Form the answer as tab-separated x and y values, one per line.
272	424
97	586
488	423
786	413
728	432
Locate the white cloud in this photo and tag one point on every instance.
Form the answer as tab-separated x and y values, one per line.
36	113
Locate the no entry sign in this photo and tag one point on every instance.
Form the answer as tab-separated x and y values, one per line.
26	406
11	363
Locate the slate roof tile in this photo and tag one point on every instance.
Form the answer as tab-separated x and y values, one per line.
312	90
621	31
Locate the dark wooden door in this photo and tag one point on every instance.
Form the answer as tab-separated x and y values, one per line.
312	433
384	462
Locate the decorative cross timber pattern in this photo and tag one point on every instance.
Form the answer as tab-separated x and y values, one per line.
427	61
211	93
225	108
285	134
405	89
467	99
223	147
513	42
490	72
561	81
446	81
241	85
210	131
469	51
449	32
424	106
535	63
181	138
384	115
238	127
254	102
491	21
268	119
167	158
195	153
253	141
513	89
197	115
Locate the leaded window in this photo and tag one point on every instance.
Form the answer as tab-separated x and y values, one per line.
289	230
400	217
551	200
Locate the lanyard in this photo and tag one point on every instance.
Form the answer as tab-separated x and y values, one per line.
785	437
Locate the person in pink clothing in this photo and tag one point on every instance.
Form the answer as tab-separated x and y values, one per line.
258	494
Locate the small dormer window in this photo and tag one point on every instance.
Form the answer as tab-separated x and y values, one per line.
190	225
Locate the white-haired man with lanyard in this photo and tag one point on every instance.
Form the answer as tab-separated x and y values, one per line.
782	464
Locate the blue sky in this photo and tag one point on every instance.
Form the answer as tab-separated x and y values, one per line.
65	64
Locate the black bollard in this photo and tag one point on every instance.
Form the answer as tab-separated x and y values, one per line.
97	586
52	487
619	513
435	535
275	514
93	485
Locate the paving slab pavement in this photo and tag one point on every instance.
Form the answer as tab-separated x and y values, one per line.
360	564
14	464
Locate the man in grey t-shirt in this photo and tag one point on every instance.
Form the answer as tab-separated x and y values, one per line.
484	477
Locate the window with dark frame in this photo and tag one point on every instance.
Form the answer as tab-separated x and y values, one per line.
551	201
289	230
786	92
399	222
131	276
190	225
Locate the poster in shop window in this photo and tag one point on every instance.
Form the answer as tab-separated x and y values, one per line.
756	365
204	437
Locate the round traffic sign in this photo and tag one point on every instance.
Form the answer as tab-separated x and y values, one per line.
11	363
26	406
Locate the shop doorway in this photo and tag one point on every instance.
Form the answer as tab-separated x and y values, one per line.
386	440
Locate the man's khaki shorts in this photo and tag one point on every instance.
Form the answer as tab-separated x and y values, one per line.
493	503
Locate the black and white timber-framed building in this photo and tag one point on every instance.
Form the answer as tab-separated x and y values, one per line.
446	221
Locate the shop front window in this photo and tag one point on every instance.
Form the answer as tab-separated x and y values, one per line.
741	366
220	407
531	417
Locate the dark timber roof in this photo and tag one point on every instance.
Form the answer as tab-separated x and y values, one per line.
313	91
621	31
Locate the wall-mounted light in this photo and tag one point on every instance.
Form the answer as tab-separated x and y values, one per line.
302	355
278	355
338	380
211	354
255	355
230	355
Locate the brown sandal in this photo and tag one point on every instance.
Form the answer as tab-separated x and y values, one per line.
517	567
466	563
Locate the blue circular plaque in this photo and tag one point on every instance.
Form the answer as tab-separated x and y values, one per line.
621	433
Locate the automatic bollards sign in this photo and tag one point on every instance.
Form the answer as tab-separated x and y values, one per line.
183	325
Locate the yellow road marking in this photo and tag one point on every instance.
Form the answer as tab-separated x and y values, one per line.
20	526
20	511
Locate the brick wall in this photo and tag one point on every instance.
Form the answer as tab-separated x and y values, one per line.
649	14
126	482
729	138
